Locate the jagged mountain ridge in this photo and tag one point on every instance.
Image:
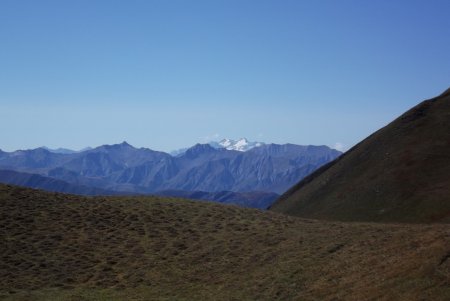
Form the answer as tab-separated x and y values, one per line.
122	167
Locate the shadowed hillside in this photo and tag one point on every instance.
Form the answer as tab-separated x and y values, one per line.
62	247
401	173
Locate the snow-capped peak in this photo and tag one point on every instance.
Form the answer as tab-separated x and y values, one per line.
241	145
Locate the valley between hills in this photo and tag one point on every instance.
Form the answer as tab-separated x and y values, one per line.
370	225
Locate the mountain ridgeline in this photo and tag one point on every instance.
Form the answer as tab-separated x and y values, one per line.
123	168
401	173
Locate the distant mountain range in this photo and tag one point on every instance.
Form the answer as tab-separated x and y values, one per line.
269	168
49	184
241	145
254	199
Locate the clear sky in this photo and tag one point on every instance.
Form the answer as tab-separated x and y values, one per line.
167	74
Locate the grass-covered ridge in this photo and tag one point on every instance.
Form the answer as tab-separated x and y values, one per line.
63	247
400	173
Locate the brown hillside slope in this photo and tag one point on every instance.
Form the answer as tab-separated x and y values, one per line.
62	247
401	173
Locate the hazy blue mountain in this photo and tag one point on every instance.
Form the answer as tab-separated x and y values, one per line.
60	150
270	167
66	151
49	184
38	159
254	199
178	152
122	167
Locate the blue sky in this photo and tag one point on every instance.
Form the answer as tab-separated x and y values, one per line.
168	74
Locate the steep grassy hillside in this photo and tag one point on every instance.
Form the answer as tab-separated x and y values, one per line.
401	173
62	247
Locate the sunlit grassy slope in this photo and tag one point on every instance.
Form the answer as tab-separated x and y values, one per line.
62	247
400	173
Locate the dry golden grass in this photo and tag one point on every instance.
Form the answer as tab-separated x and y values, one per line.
62	247
400	173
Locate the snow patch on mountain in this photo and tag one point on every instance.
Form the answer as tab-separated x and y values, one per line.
241	145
